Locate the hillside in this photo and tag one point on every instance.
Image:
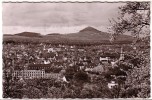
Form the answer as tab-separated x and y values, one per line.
87	35
92	34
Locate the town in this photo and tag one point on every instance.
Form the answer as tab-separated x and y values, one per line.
55	59
25	62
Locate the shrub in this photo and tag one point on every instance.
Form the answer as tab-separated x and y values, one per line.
81	76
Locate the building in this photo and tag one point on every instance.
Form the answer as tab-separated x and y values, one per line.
32	74
40	67
27	74
104	59
35	71
112	84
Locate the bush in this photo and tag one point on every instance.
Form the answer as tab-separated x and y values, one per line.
69	73
81	76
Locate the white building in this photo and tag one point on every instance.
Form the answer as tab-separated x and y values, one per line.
29	74
112	84
104	59
46	62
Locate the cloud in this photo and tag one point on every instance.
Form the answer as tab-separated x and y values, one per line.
38	14
63	15
48	30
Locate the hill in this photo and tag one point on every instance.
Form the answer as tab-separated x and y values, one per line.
90	29
93	35
88	35
29	34
54	34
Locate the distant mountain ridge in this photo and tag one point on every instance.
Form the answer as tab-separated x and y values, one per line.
86	35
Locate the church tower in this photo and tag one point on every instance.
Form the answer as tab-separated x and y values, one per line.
121	55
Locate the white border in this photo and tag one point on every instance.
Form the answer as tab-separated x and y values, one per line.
70	0
1	35
1	90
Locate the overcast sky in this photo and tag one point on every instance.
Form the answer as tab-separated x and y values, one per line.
57	17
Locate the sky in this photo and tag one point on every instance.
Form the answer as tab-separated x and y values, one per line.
46	18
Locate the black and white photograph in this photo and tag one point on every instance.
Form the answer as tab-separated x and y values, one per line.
76	49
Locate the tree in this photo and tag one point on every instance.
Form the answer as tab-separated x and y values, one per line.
69	73
137	82
81	77
33	92
139	79
133	17
54	92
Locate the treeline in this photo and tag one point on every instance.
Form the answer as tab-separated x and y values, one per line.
65	42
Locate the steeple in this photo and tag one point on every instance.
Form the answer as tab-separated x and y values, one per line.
121	54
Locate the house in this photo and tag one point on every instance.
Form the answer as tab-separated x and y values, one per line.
104	59
112	84
71	46
46	62
114	63
64	79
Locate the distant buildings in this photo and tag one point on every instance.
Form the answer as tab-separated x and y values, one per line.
45	59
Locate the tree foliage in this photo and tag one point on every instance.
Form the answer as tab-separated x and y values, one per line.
81	76
133	17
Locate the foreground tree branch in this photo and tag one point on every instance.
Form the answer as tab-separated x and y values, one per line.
134	16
